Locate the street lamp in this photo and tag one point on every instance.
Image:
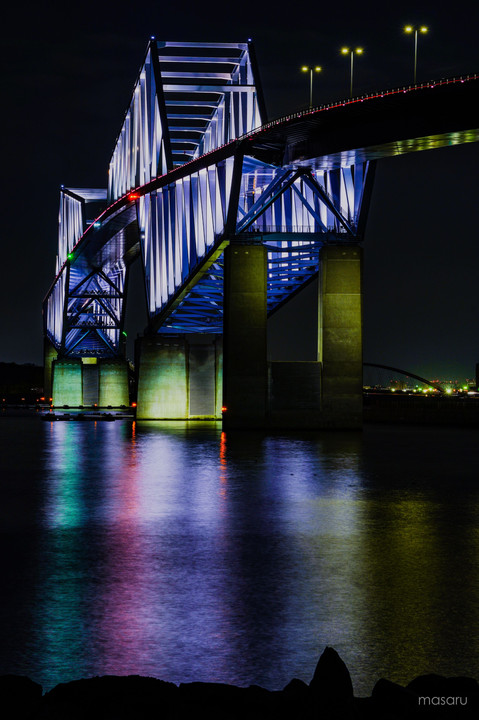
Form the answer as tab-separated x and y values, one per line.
349	51
311	70
410	29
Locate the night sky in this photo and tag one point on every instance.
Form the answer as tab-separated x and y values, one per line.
67	77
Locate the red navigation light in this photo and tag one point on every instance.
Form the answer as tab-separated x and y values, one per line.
133	404
224	409
133	196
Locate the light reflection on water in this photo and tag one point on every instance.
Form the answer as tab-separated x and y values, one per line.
177	551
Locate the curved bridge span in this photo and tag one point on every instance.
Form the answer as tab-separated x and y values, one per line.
196	172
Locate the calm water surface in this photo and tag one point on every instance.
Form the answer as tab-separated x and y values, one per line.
177	551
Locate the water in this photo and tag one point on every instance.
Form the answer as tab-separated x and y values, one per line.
176	551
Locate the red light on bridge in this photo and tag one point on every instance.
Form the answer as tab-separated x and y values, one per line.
133	196
224	409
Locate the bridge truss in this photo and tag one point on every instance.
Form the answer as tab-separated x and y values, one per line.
195	167
181	187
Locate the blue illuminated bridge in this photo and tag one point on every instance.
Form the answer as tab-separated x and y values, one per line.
231	215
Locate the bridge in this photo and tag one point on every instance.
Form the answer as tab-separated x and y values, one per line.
230	216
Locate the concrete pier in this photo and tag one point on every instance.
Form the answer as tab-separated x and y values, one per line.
49	355
245	376
179	377
91	381
67	382
113	383
340	336
86	382
199	376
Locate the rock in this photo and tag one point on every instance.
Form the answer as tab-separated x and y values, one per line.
331	687
390	700
110	696
296	687
20	693
218	701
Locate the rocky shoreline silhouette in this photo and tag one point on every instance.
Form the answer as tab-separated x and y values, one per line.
329	696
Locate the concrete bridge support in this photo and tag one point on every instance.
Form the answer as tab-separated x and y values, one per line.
67	382
113	383
322	394
340	337
179	377
49	355
245	376
90	382
191	376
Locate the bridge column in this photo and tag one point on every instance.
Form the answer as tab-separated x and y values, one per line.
245	373
340	336
49	355
67	382
179	377
113	382
162	379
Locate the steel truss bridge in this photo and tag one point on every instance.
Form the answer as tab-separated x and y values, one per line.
196	166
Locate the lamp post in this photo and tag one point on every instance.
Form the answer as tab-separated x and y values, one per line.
349	51
410	29
311	70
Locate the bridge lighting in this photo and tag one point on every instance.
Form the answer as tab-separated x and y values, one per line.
410	29
311	70
351	52
133	196
70	256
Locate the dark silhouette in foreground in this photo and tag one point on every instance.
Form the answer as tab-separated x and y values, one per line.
329	696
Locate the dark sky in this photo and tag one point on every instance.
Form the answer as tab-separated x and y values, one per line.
67	75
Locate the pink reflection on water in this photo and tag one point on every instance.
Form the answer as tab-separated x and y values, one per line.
167	581
121	618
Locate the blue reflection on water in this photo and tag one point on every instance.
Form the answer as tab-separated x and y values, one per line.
178	551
